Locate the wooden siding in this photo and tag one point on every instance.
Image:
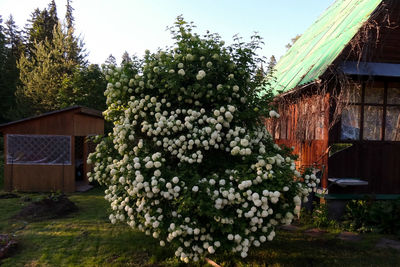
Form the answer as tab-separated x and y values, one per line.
310	143
46	178
85	125
55	124
40	178
376	162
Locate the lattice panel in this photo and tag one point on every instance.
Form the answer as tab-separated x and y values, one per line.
39	149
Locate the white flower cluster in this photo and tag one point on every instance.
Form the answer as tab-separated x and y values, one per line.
181	164
274	114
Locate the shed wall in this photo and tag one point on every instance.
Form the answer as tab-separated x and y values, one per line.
39	178
56	124
45	178
87	125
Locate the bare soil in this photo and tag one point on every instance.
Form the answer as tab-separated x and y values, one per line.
47	208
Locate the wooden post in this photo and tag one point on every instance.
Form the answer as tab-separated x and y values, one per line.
85	155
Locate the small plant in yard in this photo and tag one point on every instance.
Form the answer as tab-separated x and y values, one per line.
320	217
189	161
380	216
356	216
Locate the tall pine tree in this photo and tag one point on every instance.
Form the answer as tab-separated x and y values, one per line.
75	46
4	94
55	73
40	26
47	75
11	72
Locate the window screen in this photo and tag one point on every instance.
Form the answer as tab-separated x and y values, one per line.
38	149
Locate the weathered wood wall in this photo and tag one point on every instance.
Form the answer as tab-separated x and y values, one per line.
376	162
45	178
303	125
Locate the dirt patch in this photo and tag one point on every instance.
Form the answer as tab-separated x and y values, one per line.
47	208
388	243
7	245
315	232
290	228
349	236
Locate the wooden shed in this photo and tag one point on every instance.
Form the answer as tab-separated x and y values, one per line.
48	152
338	94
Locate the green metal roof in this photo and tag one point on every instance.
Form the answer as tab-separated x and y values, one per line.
319	46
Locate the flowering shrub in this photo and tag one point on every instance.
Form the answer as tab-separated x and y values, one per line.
189	160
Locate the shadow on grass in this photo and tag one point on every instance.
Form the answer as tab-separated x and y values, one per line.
86	238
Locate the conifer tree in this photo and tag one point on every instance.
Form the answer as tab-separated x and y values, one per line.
47	75
126	58
111	60
40	27
74	45
4	94
15	48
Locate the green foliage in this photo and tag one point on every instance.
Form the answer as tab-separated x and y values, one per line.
47	72
88	87
45	76
189	160
40	27
380	216
10	49
356	216
320	217
56	77
86	238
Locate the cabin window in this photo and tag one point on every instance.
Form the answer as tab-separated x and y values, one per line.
38	149
373	113
351	122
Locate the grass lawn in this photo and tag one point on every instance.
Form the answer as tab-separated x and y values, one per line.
86	238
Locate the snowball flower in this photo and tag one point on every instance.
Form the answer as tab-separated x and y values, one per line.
200	75
274	114
181	72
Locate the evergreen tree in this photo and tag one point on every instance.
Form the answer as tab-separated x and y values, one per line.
69	18
40	26
292	41
4	94
89	84
111	60
15	47
126	58
47	76
271	64
75	46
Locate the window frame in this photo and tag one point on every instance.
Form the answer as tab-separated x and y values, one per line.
362	104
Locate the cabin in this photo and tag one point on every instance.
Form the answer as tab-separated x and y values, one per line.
338	95
47	153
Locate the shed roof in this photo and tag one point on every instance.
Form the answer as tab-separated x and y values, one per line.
79	109
310	56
